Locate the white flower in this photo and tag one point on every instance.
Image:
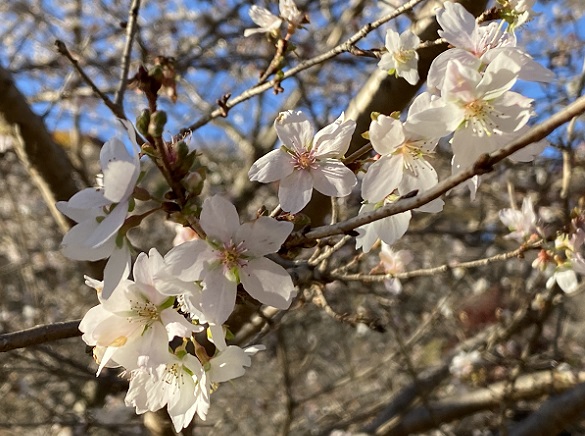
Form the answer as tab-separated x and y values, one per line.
480	109
389	229
463	363
306	161
233	254
476	46
180	383
402	165
394	262
565	274
136	321
402	57
521	223
517	12
268	22
100	213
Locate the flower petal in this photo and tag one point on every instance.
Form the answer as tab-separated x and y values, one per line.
263	235
271	167
334	179
295	191
268	283
219	218
218	297
294	130
382	178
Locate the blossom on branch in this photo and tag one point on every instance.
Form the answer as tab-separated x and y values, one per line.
389	229
100	213
476	46
306	161
403	148
522	223
270	23
233	253
402	57
136	321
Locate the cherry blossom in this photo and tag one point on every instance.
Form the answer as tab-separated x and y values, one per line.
306	161
100	213
476	46
180	383
233	253
402	57
522	224
394	262
389	229
270	23
402	165
135	321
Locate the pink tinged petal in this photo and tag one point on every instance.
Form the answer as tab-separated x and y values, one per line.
333	140
229	364
294	130
460	83
268	283
391	229
334	179
189	260
382	178
117	268
386	134
109	226
459	26
218	297
438	69
74	245
219	218
263	235
295	191
271	167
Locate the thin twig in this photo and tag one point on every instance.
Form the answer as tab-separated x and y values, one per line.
341	48
131	28
62	49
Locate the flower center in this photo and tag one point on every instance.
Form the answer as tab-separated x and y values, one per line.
304	160
404	56
145	310
477	113
232	255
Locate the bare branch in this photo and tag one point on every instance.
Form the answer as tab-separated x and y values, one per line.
131	28
39	335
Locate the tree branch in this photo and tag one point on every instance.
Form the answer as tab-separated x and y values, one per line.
39	335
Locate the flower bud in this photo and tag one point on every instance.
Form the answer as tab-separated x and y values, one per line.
142	122
157	123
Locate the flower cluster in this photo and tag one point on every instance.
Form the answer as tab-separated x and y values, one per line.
165	325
